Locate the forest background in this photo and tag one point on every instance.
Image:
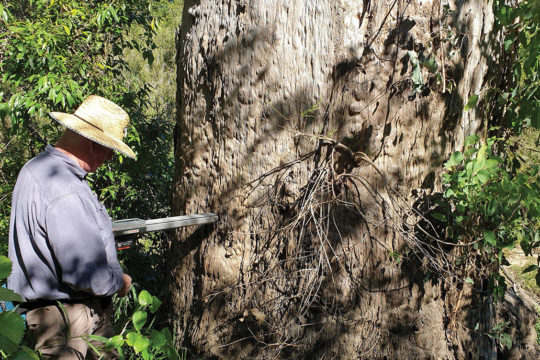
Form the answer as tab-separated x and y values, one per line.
53	54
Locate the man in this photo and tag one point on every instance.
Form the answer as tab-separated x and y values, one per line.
60	237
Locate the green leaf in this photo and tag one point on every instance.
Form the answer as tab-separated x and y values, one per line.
530	268
139	319
157	339
141	343
471	103
499	326
12	326
25	353
483	176
97	338
471	140
439	216
5	267
468	280
506	340
115	342
167	333
8	295
6	345
489	237
455	159
156	303
131	337
145	298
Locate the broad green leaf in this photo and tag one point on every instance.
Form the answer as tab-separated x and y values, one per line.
489	237
139	319
6	345
25	353
167	333
141	343
506	340
455	159
156	303
12	326
8	295
131	337
471	139
471	103
5	267
115	342
157	339
483	176
491	163
145	298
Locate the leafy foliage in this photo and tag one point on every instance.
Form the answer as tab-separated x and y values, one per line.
491	203
140	338
53	54
519	24
11	323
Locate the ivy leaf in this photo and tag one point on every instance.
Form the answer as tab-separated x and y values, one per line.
115	342
145	298
131	337
489	237
141	343
139	319
471	103
156	303
157	339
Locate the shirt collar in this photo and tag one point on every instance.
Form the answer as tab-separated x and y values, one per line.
71	164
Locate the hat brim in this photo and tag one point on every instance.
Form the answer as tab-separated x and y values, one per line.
91	132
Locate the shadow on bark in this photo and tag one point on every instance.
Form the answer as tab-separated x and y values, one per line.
326	263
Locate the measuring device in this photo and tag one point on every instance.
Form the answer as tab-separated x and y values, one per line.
124	230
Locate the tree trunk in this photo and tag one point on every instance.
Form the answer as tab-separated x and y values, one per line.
313	132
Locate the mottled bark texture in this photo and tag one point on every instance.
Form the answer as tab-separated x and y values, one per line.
299	125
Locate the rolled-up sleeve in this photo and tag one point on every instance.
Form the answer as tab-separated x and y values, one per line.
75	234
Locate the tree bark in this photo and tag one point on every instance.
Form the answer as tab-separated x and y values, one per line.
305	127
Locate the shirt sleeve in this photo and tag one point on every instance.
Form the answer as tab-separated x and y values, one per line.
75	235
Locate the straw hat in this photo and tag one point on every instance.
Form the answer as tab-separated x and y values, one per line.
99	120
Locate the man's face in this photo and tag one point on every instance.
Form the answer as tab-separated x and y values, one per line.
99	155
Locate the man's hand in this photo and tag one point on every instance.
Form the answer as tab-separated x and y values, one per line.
125	287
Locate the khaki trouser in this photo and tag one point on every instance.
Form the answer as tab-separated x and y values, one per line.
60	333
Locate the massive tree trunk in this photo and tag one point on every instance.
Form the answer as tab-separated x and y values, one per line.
313	131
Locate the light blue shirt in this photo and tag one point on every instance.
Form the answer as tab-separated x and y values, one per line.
60	236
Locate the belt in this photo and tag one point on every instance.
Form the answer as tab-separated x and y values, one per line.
35	304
